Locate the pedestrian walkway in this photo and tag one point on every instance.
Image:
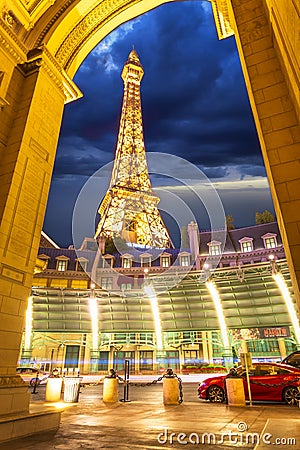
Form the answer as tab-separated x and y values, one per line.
145	423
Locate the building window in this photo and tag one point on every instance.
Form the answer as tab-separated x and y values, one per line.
184	261
270	242
146	262
146	360
126	286
106	283
45	259
72	356
108	261
61	265
165	261
81	265
214	249
126	263
119	358
247	246
190	356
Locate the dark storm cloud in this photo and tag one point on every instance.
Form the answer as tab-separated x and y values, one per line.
193	94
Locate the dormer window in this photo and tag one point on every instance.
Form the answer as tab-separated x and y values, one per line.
108	261
81	264
246	244
184	259
45	258
126	261
214	248
270	240
165	260
146	260
62	263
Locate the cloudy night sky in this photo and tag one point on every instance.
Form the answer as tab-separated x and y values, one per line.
195	106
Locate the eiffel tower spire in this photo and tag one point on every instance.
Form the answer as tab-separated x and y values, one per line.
129	208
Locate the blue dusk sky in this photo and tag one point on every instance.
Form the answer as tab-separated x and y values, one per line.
195	106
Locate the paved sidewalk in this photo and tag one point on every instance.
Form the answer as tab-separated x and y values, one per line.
145	423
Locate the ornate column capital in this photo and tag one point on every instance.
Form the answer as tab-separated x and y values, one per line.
41	58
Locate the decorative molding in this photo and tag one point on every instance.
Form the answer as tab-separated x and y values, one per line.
31	7
14	380
9	40
41	57
66	274
88	26
8	19
222	18
12	274
52	22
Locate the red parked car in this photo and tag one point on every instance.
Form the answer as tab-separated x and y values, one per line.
268	381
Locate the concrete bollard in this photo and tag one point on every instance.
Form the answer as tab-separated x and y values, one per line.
53	389
170	391
235	392
110	390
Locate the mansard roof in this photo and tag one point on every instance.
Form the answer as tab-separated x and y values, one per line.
233	237
232	245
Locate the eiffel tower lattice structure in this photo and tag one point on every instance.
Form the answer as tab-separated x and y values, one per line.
129	208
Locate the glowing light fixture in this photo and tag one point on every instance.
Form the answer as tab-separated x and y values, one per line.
149	291
28	327
221	318
94	317
280	281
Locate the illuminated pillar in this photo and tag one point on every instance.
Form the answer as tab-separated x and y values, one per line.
227	351
219	310
282	347
156	316
204	346
27	348
280	281
160	352
210	347
93	305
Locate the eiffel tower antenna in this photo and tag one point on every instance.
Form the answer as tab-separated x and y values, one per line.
129	208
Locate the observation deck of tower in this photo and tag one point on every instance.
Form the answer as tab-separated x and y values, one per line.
129	208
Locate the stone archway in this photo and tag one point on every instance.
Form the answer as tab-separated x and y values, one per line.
42	45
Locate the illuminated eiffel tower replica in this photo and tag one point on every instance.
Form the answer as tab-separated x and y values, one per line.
129	208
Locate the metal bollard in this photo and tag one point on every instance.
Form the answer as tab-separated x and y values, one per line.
170	389
111	388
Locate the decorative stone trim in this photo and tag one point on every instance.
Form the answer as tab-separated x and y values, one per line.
41	57
222	18
8	40
13	380
52	22
88	26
